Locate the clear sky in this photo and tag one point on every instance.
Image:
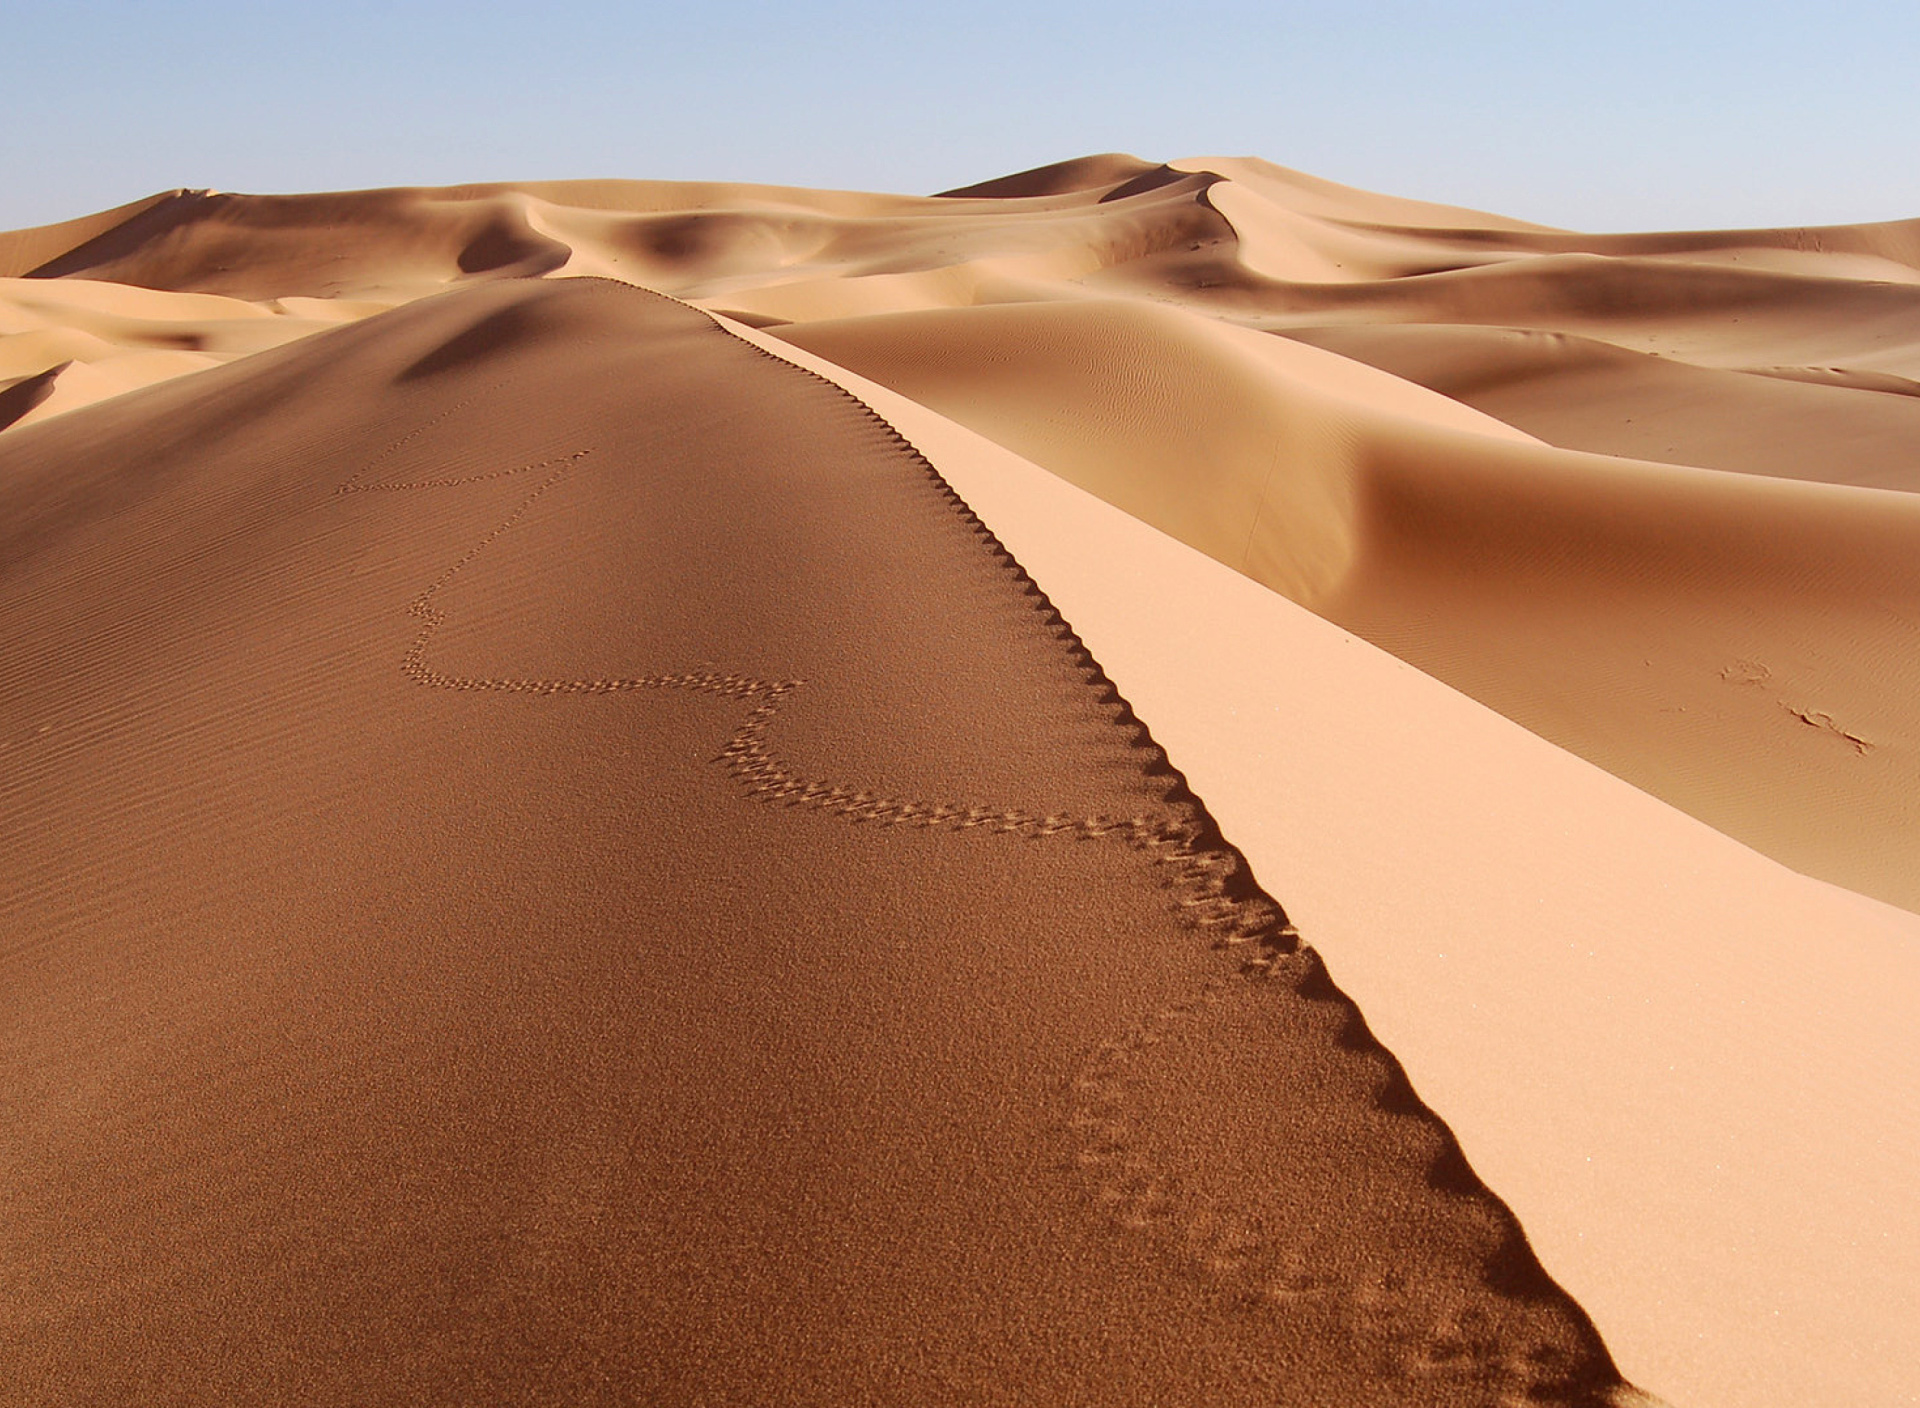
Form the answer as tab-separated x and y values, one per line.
1629	115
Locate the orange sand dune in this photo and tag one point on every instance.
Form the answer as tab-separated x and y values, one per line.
550	858
372	958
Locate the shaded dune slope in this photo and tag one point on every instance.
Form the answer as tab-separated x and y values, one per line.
549	858
1580	394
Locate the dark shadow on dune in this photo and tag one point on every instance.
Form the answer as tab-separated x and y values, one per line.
752	320
1059	178
27	393
1157	179
512	244
156	222
476	344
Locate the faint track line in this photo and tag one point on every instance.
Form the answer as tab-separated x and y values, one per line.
1199	874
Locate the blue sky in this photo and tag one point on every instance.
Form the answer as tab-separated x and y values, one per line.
1629	115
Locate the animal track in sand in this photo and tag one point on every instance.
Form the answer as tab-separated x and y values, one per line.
1250	1240
1135	1188
1198	876
1820	719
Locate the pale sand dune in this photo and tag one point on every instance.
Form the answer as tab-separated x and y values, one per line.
1747	648
68	342
1688	1068
70	383
1829	316
1585	395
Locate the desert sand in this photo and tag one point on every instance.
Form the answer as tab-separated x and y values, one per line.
625	791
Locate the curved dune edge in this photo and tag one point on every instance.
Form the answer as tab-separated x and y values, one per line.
1684	1066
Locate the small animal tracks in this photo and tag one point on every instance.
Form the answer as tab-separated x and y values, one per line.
1196	875
1820	719
1752	674
1116	1108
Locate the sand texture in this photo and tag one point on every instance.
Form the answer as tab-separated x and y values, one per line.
580	822
704	929
1687	1068
1646	618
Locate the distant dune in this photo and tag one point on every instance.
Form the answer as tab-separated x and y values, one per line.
561	843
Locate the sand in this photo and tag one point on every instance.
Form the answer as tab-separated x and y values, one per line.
1787	353
1686	1067
950	1071
557	849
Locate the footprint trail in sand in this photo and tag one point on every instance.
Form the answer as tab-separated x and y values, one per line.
592	1069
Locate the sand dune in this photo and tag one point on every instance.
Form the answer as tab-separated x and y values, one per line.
68	342
1779	353
622	927
1744	647
1685	1066
410	990
1581	394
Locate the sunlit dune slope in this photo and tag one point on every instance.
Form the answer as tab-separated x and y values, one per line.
1686	1067
68	342
1744	647
546	854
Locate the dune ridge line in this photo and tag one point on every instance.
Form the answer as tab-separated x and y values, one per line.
1202	867
1198	1163
1211	889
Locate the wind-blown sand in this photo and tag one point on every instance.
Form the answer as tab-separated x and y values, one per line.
547	854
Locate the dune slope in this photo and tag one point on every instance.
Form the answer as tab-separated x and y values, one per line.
1685	1066
1745	647
549	859
404	978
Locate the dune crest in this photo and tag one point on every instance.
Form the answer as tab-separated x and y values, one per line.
1684	1063
1782	354
640	982
403	612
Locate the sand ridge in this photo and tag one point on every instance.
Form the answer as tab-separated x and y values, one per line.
1208	883
1684	1064
1645	494
572	1101
1778	353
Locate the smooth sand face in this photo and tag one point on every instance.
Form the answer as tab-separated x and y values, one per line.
1646	495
